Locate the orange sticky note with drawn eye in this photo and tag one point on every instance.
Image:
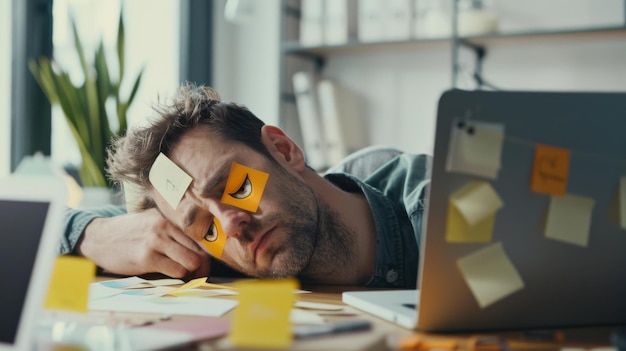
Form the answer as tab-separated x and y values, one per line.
244	187
214	240
550	170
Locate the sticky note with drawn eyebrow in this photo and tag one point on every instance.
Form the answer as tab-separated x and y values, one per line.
244	187
215	239
169	180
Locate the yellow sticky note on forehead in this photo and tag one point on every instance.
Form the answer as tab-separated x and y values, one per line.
244	187
215	239
169	180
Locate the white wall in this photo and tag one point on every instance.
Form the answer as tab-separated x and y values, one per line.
246	57
398	89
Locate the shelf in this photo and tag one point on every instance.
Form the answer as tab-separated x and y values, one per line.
295	48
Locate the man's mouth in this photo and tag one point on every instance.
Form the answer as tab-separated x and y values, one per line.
260	244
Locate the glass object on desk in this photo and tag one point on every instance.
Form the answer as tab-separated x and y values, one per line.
81	332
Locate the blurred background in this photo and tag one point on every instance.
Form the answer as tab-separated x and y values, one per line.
348	72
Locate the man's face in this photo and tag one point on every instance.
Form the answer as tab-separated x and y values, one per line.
276	240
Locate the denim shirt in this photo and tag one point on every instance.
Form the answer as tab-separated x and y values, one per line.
395	192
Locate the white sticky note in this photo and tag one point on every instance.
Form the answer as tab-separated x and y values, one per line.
490	274
622	202
169	180
475	148
569	219
471	213
476	201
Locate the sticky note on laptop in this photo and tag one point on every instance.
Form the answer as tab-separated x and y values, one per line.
472	213
569	219
550	170
262	318
169	180
69	284
475	148
490	274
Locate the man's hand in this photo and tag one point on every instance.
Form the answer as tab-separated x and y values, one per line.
145	242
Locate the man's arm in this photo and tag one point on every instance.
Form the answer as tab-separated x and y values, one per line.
133	244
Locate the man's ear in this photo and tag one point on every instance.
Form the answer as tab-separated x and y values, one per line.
284	150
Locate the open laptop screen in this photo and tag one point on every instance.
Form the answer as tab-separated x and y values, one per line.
22	223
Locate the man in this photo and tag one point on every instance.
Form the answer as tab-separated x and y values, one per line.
248	197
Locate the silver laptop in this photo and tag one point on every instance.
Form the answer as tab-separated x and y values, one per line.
526	219
31	213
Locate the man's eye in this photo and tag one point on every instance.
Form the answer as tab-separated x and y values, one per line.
244	190
211	234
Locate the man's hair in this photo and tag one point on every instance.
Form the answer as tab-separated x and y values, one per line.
130	157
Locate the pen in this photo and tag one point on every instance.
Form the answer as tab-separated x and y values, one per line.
331	328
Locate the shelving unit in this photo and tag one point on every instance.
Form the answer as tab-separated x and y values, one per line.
317	56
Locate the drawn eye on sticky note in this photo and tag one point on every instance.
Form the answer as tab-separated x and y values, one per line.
475	148
214	240
169	180
550	170
569	219
490	274
472	212
244	187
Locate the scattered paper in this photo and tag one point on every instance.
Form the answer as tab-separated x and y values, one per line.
550	170
206	306
569	219
318	306
169	180
135	282
297	316
69	284
475	148
472	212
262	319
244	187
490	274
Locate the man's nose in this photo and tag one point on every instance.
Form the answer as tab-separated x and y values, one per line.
234	220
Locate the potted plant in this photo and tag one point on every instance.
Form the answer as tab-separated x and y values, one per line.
83	104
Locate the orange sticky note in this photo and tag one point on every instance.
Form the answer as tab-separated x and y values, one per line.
244	187
261	319
215	240
69	284
550	170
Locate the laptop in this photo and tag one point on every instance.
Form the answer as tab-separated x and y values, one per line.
526	219
31	213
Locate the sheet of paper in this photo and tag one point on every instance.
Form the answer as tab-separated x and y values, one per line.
69	284
569	219
169	180
472	212
135	282
622	202
550	170
262	319
475	148
490	274
205	306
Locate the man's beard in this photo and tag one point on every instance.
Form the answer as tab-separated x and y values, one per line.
318	242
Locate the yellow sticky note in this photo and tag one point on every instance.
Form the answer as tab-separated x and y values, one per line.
569	219
622	202
195	283
261	319
244	187
471	213
169	180
69	284
550	170
490	274
215	239
475	148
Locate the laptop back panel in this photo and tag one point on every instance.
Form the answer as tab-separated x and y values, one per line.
30	222
550	260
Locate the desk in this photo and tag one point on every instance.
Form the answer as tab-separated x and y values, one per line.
385	335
